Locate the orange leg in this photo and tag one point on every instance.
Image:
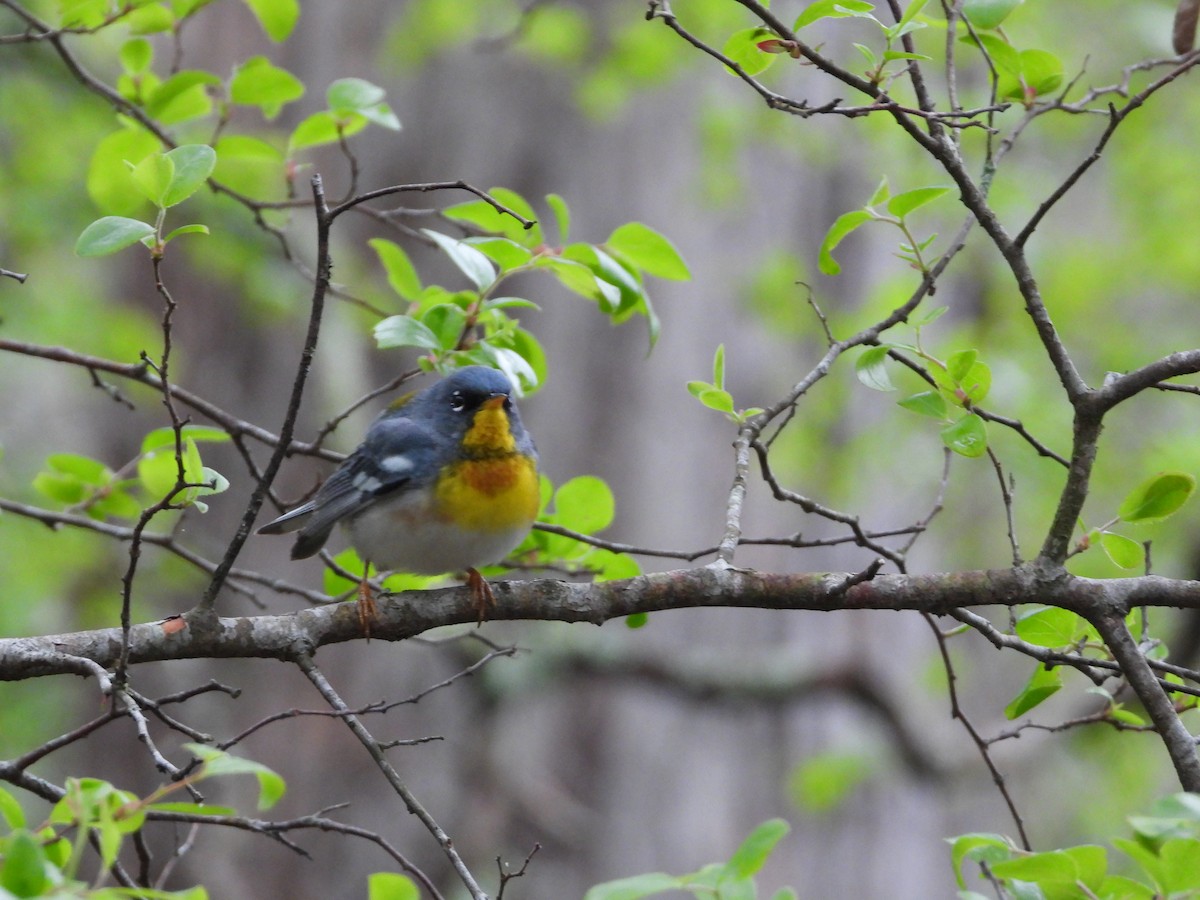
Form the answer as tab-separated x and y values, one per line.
367	611
482	597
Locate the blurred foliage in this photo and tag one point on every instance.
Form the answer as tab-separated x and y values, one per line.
1115	264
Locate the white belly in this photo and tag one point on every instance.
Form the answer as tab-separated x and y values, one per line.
401	536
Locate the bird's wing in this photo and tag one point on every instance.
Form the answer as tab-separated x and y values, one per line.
396	453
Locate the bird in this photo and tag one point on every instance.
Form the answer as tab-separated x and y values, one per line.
445	480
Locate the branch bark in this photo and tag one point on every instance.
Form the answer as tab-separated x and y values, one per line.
401	616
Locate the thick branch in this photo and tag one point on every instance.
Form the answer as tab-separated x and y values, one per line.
406	615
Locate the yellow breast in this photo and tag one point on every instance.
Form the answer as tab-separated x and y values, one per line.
494	493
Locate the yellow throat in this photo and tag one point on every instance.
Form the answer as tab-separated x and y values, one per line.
494	487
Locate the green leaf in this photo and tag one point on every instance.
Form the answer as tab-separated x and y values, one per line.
871	370
927	403
391	886
1058	873
824	781
719	367
447	321
831	9
277	17
257	82
714	398
505	253
356	96
165	437
182	96
136	54
184	229
401	275
109	180
562	215
23	868
10	811
405	331
882	192
960	363
1049	626
637	620
322	128
967	436
353	95
584	504
902	204
1123	551
470	261
193	163
988	13
754	850
1041	71
844	224
150	18
634	888
1043	684
486	217
152	176
742	47
1157	498
110	234
648	250
980	847
217	762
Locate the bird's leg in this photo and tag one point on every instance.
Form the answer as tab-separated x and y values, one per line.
482	597
367	611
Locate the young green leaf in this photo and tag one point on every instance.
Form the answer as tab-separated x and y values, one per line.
842	226
988	13
927	403
831	9
391	886
136	54
401	274
980	847
152	177
1157	497
719	367
217	762
277	17
1049	626
257	82
584	504
648	250
754	850
967	436
1123	551
562	214
871	370
635	887
23	866
193	163
110	234
902	204
470	261
405	331
1043	684
742	48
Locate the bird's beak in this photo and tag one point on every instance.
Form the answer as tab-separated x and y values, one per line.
495	401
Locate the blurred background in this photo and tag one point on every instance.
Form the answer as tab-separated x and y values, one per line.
620	751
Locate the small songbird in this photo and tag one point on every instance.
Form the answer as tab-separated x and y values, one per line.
445	480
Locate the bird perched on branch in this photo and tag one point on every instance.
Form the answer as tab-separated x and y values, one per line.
444	481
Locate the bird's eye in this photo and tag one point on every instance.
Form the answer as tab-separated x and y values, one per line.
457	401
